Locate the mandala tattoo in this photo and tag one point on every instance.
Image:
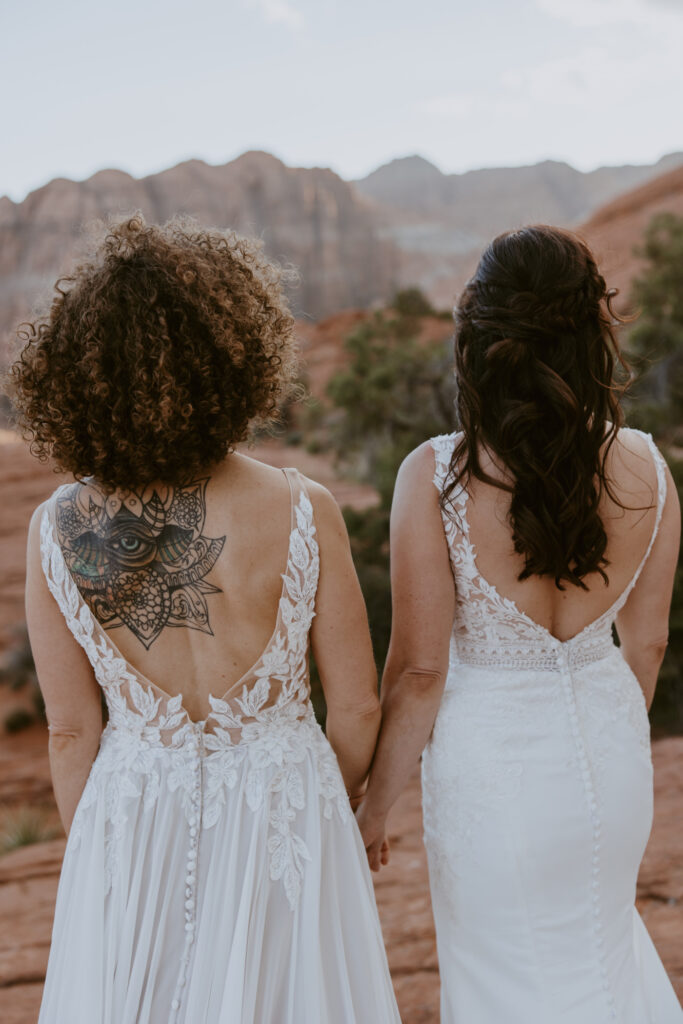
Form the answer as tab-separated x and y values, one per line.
140	559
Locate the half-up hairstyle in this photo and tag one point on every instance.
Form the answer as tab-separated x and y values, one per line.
535	358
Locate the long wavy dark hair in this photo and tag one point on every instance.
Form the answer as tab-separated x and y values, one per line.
536	356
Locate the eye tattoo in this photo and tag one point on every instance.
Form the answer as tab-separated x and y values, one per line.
140	559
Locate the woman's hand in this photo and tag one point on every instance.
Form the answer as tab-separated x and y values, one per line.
373	832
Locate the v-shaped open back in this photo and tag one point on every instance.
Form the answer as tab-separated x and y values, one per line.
491	629
283	660
204	858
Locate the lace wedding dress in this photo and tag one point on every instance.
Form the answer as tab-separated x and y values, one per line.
537	789
214	873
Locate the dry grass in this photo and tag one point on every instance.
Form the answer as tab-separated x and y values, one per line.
25	825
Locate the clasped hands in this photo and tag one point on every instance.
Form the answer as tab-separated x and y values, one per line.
372	829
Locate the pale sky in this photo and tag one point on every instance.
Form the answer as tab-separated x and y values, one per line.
347	84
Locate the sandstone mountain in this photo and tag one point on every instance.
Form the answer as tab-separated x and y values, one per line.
550	191
309	217
440	222
353	243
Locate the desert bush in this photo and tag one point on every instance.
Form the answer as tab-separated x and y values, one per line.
23	826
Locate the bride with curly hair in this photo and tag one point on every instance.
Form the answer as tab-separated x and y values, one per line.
214	871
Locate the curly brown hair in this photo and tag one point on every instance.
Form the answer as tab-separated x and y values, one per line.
536	355
156	356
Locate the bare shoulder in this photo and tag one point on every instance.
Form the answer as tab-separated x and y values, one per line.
326	511
631	467
36	517
415	479
420	461
35	525
634	472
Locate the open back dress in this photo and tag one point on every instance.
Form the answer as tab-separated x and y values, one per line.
214	872
537	789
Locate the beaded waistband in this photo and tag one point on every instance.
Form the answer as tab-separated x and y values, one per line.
554	656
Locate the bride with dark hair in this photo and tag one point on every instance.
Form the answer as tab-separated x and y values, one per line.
517	543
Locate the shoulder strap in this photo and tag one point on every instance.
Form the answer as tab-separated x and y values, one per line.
660	467
79	619
298	489
442	446
303	521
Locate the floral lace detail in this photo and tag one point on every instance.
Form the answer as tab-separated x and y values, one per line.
460	791
491	630
262	735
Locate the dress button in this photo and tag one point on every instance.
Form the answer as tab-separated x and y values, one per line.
175	1005
189	927
193	831
189	903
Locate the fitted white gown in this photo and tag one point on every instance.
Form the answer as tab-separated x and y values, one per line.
537	790
214	872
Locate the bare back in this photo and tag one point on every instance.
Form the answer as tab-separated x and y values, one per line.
565	613
222	543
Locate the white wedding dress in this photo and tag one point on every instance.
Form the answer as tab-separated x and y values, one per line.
214	872
537	789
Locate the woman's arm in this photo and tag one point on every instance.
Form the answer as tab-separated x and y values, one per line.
643	622
423	606
72	696
340	639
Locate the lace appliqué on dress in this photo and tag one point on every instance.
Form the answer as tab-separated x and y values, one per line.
491	630
265	733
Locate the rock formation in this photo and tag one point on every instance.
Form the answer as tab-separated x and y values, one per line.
616	230
439	223
353	243
308	217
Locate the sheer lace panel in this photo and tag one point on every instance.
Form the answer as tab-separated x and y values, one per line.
491	630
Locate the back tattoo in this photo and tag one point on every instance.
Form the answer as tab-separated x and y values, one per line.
140	558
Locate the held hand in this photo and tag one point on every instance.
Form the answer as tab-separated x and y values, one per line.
373	832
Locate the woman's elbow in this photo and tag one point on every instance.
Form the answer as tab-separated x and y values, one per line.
413	683
66	735
366	709
656	648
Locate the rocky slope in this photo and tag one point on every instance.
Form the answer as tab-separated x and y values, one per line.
616	230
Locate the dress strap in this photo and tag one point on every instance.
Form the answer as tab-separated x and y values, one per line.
660	468
297	486
442	446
